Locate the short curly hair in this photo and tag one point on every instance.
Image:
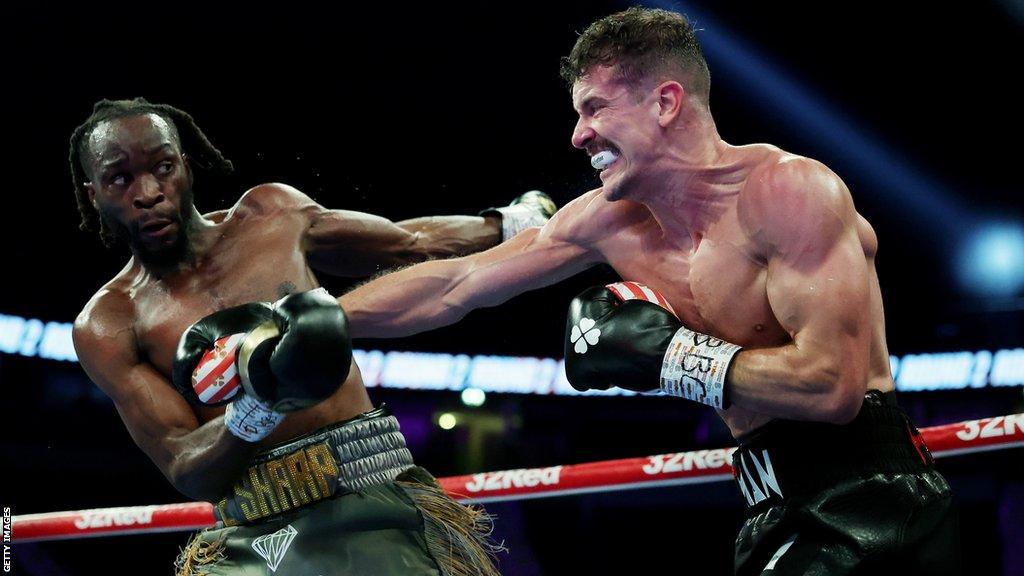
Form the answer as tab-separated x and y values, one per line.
642	42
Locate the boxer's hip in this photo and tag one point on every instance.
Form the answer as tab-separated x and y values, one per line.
785	459
345	500
349	456
375	530
834	497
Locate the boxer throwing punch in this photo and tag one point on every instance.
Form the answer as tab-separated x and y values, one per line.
778	319
268	417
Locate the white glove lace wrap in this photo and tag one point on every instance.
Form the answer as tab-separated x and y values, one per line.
695	366
519	217
250	419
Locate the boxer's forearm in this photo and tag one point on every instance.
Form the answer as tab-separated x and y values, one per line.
405	302
439	293
207	461
786	382
447	236
353	244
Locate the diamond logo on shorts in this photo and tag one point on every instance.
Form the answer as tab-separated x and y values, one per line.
584	334
272	547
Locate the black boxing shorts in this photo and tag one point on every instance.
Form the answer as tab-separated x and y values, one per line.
345	500
859	498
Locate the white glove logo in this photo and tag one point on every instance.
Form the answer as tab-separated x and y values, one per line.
584	333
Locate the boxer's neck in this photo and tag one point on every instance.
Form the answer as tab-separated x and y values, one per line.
695	179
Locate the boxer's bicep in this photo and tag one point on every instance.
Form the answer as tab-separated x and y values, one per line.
339	242
818	285
355	244
153	412
822	300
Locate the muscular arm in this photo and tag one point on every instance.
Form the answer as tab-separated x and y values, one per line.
438	293
818	288
354	244
200	461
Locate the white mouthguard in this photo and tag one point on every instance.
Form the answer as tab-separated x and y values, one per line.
603	159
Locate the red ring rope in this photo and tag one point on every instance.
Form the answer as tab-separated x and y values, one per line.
699	466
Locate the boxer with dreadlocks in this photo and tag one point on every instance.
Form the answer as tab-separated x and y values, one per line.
234	373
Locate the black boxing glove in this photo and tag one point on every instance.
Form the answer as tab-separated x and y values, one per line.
285	356
533	208
626	335
206	370
299	357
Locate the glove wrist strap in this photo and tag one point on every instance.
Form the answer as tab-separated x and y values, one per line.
694	367
251	419
519	217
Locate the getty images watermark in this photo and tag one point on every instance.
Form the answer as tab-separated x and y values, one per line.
7	539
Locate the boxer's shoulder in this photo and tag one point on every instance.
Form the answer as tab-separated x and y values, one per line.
105	320
786	192
217	216
271	198
113	298
591	217
781	180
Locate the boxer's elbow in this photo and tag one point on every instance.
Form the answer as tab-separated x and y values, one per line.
449	309
441	244
468	287
205	475
193	484
193	491
835	388
842	405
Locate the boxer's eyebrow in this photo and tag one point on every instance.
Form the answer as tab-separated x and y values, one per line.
158	147
120	158
588	103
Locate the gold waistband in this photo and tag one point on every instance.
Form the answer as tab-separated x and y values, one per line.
365	451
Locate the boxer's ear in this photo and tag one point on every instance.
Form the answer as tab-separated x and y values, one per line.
91	191
187	161
671	99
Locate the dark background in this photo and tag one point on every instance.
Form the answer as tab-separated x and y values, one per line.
447	109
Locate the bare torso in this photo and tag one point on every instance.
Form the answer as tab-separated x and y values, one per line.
255	256
717	282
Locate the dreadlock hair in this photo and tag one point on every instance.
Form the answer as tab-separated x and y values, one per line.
201	153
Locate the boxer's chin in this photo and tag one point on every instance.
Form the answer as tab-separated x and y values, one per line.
613	189
168	247
167	252
616	181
